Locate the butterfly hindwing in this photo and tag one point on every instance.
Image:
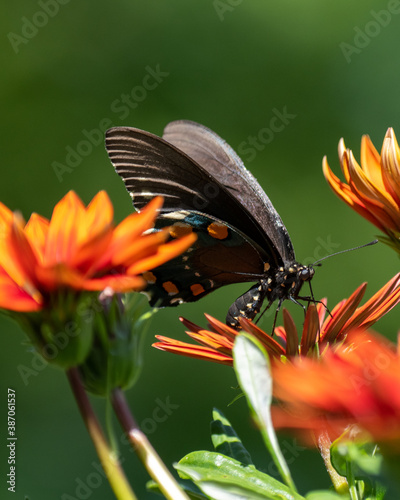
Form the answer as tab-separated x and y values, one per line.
220	256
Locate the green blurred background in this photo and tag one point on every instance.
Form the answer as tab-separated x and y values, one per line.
227	64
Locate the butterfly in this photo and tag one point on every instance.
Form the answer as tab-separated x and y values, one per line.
207	189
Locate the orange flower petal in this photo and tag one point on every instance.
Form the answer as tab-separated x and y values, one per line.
119	283
191	326
139	248
19	260
137	223
213	340
6	217
65	230
391	165
99	215
333	325
343	191
192	351
291	335
36	232
311	330
13	297
322	310
164	253
270	344
94	236
221	328
377	306
371	162
377	201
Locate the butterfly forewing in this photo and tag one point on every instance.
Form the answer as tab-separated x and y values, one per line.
150	166
215	156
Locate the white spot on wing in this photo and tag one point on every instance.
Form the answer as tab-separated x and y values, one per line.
182	214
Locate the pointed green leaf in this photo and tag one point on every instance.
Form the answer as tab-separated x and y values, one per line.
223	478
226	441
253	372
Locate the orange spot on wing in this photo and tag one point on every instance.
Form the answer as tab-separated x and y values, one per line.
170	287
218	231
149	277
180	229
197	289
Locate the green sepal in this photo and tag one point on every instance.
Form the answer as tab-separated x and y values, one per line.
392	241
116	357
60	333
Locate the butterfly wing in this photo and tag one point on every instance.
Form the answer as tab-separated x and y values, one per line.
220	160
220	256
151	166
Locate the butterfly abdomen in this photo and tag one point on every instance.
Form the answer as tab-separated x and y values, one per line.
247	305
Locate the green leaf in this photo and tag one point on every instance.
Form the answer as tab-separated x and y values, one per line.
324	495
225	439
253	372
362	456
223	478
360	460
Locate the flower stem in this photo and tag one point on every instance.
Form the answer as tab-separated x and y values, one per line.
352	484
108	459
324	444
146	453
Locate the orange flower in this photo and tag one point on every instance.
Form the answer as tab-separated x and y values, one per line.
79	248
356	383
372	189
217	342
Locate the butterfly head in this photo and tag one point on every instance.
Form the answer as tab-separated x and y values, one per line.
305	273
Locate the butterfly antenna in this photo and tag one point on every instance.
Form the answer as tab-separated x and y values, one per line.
317	262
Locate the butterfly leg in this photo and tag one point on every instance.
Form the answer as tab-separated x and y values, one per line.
314	301
278	308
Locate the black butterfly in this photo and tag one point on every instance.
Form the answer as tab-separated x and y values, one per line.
208	190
